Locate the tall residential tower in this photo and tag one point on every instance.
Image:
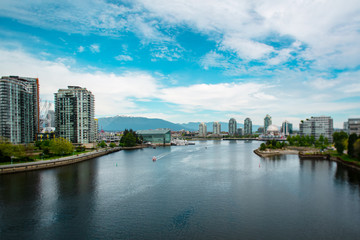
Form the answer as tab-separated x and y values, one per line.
19	109
202	130
232	127
267	122
74	114
216	128
247	126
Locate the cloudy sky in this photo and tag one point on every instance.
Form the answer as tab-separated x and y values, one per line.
191	60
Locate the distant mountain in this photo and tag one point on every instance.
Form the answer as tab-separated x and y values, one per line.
224	126
119	123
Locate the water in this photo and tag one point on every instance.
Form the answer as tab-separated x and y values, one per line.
213	190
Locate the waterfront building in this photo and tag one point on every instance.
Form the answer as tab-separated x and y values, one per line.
19	109
202	130
316	126
232	127
74	114
158	136
267	122
216	128
247	126
240	131
286	128
354	126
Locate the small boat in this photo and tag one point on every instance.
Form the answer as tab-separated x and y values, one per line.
154	158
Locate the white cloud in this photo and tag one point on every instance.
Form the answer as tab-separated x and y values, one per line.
214	59
81	49
95	48
114	94
124	58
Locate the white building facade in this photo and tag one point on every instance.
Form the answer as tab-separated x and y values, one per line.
202	130
74	115
317	126
216	128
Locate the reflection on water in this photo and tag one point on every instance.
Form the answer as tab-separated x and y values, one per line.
214	189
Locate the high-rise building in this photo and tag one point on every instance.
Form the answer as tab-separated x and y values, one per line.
247	126
74	114
96	129
19	109
216	128
354	125
286	128
316	126
202	130
232	127
267	122
240	131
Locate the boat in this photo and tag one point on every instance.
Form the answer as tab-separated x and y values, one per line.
154	158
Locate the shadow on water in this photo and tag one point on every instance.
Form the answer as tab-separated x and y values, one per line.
345	174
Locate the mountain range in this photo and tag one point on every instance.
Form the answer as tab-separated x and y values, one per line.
120	123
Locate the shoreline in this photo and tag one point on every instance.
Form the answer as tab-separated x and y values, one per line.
305	154
62	161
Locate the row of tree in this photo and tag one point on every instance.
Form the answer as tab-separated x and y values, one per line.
343	141
272	144
308	141
17	152
129	139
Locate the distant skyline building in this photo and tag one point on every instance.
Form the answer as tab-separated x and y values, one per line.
267	122
316	126
247	126
354	126
74	114
216	128
232	127
202	130
286	128
19	109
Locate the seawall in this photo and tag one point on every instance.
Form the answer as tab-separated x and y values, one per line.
29	166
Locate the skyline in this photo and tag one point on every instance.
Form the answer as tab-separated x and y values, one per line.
186	61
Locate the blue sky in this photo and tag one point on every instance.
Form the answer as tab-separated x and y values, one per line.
191	60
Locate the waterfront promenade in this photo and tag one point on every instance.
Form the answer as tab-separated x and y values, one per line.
21	167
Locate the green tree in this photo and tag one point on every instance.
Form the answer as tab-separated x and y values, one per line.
278	145
128	140
112	145
357	149
102	144
340	141
262	146
352	139
61	146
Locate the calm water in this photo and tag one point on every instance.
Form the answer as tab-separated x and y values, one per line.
213	190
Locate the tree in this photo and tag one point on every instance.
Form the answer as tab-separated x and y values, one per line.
352	139
128	140
102	144
6	150
357	149
262	146
112	145
61	146
340	141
